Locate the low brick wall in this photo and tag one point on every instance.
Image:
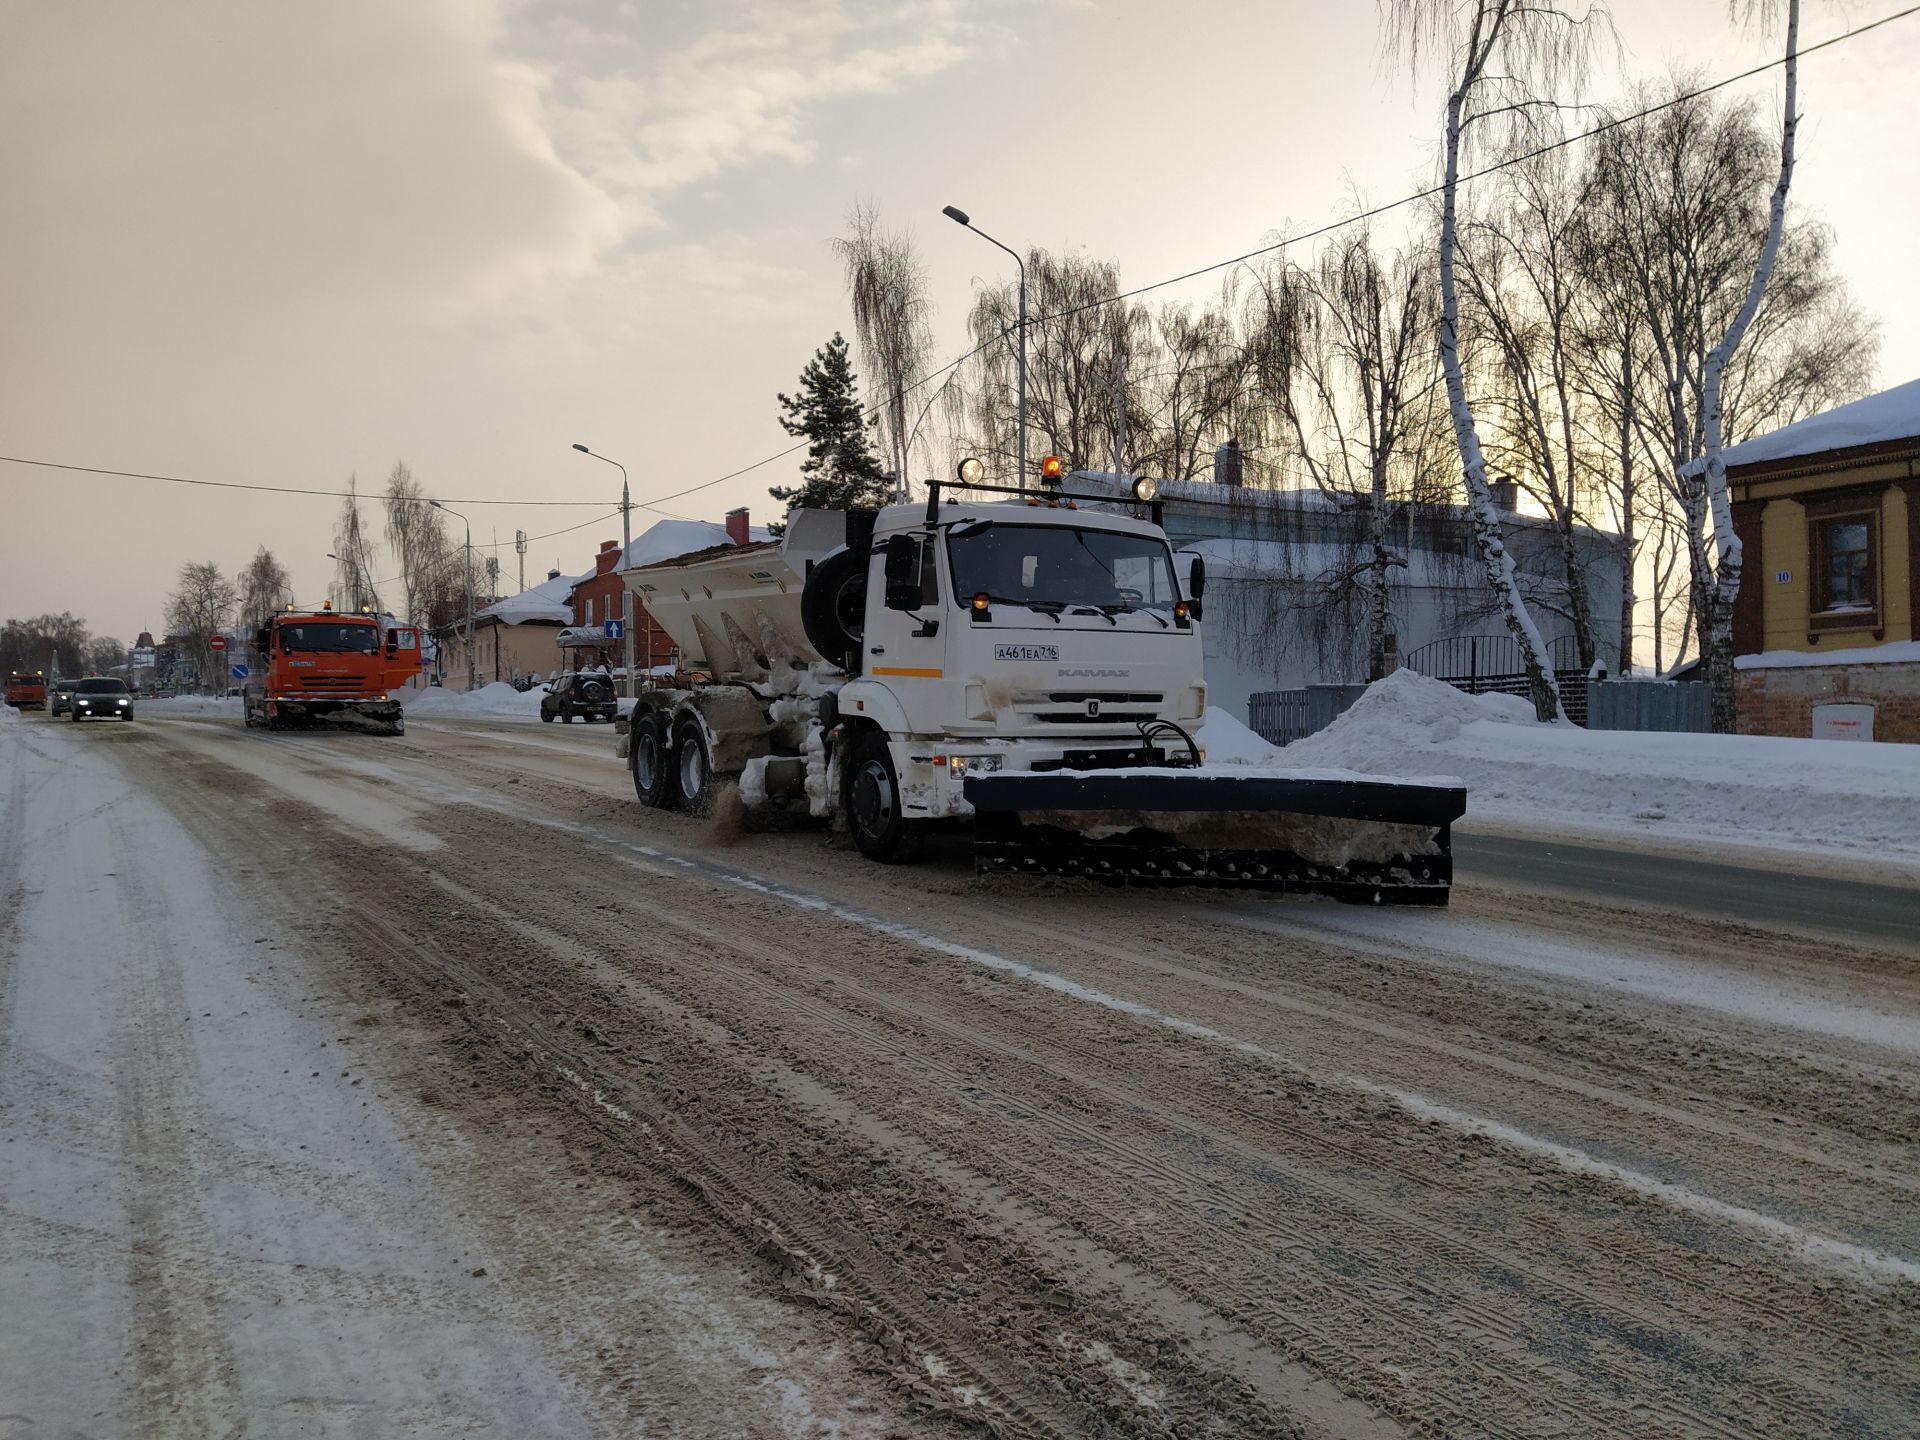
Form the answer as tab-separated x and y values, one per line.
1781	701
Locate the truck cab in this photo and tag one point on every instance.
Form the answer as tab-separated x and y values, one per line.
1020	635
322	665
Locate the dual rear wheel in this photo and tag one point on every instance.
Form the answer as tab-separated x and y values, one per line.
672	762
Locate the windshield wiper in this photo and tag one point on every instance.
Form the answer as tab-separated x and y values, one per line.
1100	610
1049	608
1124	607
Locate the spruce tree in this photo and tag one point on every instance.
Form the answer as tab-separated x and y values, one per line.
840	472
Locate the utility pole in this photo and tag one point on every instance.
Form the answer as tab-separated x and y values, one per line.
626	545
472	659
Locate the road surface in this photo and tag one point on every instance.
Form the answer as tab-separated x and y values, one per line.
354	1085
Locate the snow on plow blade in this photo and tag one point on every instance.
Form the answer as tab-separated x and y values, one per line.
1371	841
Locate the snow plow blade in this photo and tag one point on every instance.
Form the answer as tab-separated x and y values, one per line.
1366	841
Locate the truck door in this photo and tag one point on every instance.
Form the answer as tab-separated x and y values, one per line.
402	655
906	631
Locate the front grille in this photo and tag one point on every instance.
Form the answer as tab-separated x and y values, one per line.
1105	697
1080	717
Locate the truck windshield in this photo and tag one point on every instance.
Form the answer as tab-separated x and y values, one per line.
330	635
1059	565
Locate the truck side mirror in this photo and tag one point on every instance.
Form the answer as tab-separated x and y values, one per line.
1196	587
903	573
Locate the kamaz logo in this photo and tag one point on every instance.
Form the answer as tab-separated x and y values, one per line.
1072	674
1093	709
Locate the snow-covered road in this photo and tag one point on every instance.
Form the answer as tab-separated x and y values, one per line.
1072	1162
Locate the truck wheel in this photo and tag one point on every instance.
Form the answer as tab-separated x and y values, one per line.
653	779
872	800
693	765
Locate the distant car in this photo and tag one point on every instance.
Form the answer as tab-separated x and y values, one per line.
98	696
60	697
587	694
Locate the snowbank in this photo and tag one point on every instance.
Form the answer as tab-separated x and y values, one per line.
496	701
1733	789
1894	652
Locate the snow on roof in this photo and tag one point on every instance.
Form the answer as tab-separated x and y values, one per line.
1891	415
668	539
1894	652
542	604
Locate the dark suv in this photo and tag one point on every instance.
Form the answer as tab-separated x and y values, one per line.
99	696
588	694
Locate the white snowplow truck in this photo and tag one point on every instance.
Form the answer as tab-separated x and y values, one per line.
1029	661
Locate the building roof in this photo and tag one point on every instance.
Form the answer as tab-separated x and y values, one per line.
1877	420
542	604
669	539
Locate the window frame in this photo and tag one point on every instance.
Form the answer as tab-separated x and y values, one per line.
1822	517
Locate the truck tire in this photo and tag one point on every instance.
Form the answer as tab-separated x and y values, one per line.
647	753
872	803
833	606
692	765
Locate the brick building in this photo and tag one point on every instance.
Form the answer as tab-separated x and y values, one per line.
599	595
1827	624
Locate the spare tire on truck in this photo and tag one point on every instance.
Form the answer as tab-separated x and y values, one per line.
833	607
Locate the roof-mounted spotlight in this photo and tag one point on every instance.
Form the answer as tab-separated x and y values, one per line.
1146	488
972	471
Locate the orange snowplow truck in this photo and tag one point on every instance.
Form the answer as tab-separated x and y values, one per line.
321	666
27	691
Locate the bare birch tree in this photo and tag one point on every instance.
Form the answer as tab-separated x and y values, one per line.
1501	55
199	608
352	557
428	562
891	315
1078	332
1728	556
264	587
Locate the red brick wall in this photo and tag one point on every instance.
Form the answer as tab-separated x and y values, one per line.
650	643
1780	702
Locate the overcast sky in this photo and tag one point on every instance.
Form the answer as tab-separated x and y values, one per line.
293	243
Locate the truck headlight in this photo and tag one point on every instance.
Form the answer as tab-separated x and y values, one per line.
959	765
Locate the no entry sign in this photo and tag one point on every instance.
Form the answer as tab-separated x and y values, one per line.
217	644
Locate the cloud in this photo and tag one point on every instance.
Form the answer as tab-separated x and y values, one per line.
741	91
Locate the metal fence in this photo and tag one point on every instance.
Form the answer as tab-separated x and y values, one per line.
1651	705
1491	665
1280	717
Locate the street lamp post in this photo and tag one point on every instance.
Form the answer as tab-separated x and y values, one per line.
471	657
626	544
960	217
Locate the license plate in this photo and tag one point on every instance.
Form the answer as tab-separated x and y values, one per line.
1026	652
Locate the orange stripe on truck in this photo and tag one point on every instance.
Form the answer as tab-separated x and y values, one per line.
906	670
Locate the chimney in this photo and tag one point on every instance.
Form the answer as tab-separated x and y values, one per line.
608	557
1506	494
1227	463
554	574
737	526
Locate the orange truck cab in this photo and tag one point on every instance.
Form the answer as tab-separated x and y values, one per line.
318	666
27	690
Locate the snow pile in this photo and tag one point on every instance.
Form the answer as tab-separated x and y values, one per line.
1894	652
496	701
1734	789
1228	742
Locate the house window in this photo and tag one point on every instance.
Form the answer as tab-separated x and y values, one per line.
589	610
1845	578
